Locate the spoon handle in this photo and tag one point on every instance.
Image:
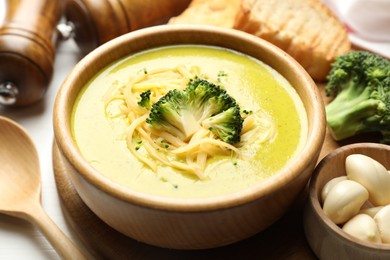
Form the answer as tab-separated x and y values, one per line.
61	243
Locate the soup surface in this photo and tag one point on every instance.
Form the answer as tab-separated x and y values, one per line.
255	86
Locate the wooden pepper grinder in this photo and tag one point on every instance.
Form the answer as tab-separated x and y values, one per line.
97	21
27	45
29	36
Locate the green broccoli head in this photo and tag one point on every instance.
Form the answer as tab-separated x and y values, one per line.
145	99
360	84
208	98
181	112
172	114
226	125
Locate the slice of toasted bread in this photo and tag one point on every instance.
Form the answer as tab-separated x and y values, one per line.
306	29
211	12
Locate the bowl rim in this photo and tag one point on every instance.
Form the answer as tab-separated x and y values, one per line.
63	137
316	205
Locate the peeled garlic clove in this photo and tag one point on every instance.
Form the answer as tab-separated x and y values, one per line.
371	211
364	227
344	201
372	175
382	219
329	185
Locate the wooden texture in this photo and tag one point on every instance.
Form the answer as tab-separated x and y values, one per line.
27	39
20	186
28	35
283	240
326	238
190	223
98	21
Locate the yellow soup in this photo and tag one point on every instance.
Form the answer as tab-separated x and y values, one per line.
99	128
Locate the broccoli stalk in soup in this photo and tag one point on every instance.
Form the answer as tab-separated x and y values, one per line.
201	104
360	84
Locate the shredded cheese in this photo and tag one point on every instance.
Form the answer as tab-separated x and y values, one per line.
153	147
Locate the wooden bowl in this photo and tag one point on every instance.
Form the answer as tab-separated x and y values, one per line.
190	223
327	239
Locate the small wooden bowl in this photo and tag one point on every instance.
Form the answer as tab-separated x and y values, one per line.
327	240
190	223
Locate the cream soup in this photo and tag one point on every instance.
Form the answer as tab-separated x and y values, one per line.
256	88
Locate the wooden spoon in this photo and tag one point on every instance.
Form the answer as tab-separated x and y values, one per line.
20	186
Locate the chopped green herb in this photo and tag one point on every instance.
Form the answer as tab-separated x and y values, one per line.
164	144
221	73
138	146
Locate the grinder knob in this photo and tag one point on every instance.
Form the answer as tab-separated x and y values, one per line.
27	46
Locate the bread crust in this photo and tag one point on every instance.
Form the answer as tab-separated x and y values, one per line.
306	29
220	13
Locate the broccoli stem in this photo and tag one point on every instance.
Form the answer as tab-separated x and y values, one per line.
348	115
360	82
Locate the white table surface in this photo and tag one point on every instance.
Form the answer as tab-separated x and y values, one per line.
18	238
